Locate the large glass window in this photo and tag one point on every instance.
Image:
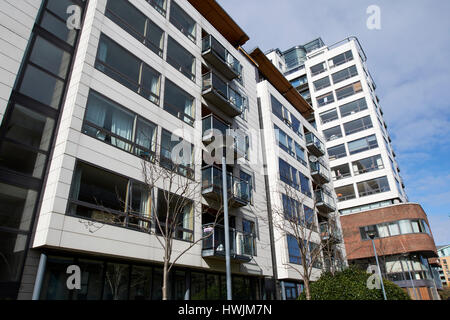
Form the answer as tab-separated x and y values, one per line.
353	107
103	196
332	133
181	59
362	144
318	68
348	91
182	21
345	193
340	59
325	99
179	209
337	152
322	83
299	81
305	185
17	207
367	165
284	141
179	103
328	116
294	250
296	126
344	74
358	125
288	174
300	154
177	154
136	23
116	284
125	68
140	284
374	186
159	5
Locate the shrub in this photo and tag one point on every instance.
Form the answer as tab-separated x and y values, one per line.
351	284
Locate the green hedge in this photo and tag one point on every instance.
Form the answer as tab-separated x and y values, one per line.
351	284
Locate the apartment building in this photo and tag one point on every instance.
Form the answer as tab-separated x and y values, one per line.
299	185
335	80
444	265
83	108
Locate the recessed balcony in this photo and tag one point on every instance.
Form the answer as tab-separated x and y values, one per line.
242	245
319	172
221	95
219	57
239	193
324	202
314	145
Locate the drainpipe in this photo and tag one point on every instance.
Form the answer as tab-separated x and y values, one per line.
39	277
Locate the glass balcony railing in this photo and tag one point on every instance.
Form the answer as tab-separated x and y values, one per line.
324	201
221	58
329	232
239	191
222	95
211	123
314	145
242	245
319	172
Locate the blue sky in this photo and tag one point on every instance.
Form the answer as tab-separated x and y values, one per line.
409	59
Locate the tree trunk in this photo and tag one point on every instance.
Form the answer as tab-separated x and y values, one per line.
165	279
307	289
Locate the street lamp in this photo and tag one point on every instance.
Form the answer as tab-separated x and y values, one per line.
371	235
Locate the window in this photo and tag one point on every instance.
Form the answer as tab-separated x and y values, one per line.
177	154
182	21
337	152
56	24
366	231
348	91
322	83
296	126
328	116
332	133
17	207
119	64
26	141
178	102
109	198
288	174
353	107
184	224
300	154
341	172
370	187
318	68
116	288
405	226
281	112
294	250
130	19
291	208
112	124
325	99
284	141
179	58
248	179
304	182
159	5
358	125
344	74
345	193
367	165
309	218
362	144
340	59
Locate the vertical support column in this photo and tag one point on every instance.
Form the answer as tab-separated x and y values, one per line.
40	277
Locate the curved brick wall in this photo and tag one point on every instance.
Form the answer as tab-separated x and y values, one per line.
357	248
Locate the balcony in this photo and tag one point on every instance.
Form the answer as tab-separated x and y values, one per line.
239	193
329	232
242	245
213	125
324	202
219	57
319	172
314	145
221	95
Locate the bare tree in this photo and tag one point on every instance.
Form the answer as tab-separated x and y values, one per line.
291	219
